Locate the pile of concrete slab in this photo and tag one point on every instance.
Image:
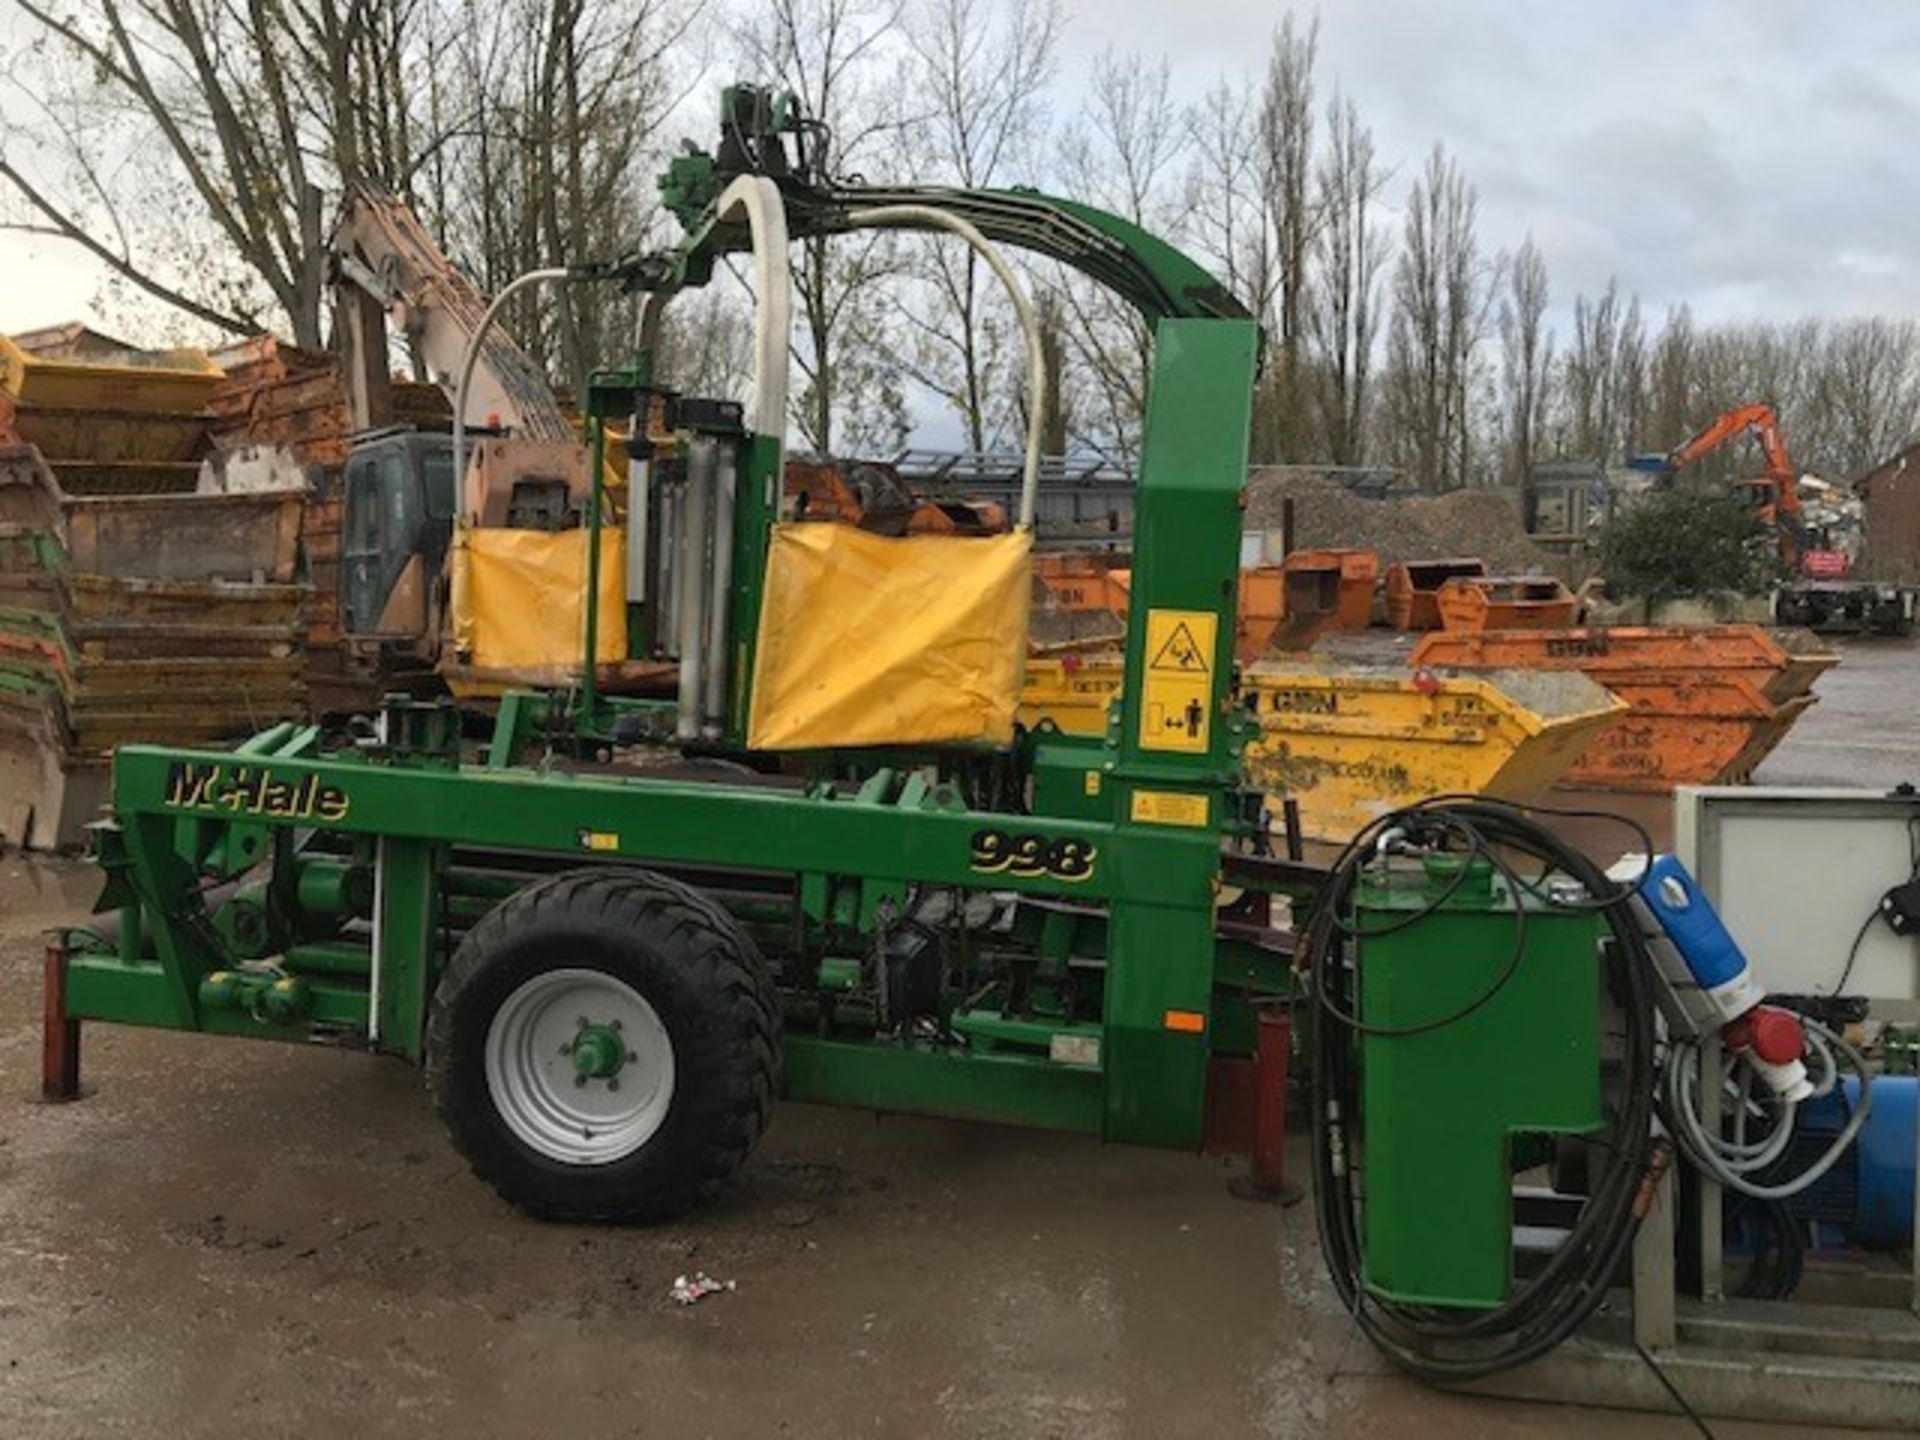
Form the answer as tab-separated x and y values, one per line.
140	599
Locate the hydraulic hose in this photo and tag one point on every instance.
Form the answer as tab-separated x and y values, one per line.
1447	1345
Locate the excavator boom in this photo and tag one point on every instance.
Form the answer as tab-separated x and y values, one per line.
385	261
1761	421
1779	500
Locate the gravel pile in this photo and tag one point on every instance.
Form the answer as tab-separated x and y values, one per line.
1485	523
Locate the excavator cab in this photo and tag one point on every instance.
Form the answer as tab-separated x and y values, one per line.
398	507
525	472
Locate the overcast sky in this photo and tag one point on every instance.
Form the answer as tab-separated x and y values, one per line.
1758	159
1755	158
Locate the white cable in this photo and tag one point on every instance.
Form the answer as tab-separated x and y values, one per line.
1730	1160
471	359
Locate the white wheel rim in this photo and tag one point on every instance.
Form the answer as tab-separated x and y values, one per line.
537	1085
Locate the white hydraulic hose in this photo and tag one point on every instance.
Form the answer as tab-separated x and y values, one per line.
914	215
471	359
1731	1160
758	198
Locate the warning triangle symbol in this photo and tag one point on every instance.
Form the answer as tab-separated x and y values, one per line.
1180	653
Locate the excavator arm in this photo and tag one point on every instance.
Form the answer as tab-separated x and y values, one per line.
386	265
1761	421
1780	501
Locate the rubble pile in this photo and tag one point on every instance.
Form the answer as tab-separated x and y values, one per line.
1326	514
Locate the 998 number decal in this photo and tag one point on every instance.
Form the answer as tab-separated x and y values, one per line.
997	852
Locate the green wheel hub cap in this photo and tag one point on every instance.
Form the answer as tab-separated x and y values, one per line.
598	1053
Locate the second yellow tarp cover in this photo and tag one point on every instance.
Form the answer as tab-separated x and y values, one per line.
880	640
517	600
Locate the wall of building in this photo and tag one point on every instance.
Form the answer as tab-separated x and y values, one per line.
1892	494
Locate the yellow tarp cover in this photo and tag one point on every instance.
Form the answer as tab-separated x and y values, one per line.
879	640
518	600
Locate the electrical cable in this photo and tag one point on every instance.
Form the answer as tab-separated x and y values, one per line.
1779	1253
1673	1391
1744	1153
1448	1345
1860	935
1853	951
1736	1162
1329	915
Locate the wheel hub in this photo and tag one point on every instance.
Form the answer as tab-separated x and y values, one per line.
599	1052
579	1066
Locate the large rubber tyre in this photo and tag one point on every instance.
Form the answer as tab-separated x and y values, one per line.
701	988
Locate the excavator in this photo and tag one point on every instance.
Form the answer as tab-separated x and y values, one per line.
525	470
1774	493
1818	592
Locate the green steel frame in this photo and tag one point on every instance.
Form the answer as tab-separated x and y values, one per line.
291	890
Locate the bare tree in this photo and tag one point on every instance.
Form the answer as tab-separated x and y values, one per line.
984	71
1056	424
1441	289
1121	153
242	113
1870	386
1286	132
707	348
1526	349
523	132
1344	289
1742	363
1630	378
1604	374
1673	382
596	89
1229	224
1846	391
838	56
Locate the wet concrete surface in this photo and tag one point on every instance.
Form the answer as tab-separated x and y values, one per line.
234	1239
1865	729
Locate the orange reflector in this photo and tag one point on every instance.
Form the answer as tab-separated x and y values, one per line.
1187	1022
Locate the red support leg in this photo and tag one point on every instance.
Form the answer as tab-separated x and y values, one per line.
1273	1055
60	1033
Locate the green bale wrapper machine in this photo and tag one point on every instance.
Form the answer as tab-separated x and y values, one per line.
617	934
609	971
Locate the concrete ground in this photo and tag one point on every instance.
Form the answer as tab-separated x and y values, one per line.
255	1240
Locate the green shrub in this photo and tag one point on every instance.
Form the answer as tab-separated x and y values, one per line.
1688	542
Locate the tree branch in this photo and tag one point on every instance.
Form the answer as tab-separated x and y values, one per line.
63	227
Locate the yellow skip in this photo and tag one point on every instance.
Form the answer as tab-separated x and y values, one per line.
1350	743
179	381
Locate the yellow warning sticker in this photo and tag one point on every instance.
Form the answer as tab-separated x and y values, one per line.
1175	710
1169	807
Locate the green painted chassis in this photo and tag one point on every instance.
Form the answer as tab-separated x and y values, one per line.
184	819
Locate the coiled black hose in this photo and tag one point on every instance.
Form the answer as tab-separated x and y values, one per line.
1449	1345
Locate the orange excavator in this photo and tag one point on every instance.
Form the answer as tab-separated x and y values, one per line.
1821	592
1775	492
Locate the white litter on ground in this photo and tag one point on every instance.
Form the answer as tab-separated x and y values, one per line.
689	1290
